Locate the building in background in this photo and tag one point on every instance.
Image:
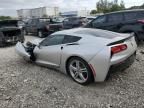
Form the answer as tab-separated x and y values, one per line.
50	12
23	13
82	13
38	12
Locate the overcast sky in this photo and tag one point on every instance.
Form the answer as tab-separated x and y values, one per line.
9	7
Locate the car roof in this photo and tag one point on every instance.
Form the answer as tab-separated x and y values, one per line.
88	32
75	17
133	10
38	18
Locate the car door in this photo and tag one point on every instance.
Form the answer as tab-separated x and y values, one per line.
49	51
99	22
115	22
34	26
131	18
66	23
28	26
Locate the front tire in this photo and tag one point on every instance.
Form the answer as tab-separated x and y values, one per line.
136	39
79	71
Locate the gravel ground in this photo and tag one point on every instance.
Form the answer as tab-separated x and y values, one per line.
27	85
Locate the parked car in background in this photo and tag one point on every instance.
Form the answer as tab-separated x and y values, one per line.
21	24
90	18
58	19
126	21
85	54
10	33
42	26
72	22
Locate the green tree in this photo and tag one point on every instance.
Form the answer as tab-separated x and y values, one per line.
104	6
117	7
45	16
93	12
5	17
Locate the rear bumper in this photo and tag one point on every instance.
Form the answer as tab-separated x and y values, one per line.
125	64
122	65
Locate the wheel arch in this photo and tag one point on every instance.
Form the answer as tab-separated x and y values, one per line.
77	56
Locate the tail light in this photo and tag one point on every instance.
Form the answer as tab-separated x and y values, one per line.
141	21
118	48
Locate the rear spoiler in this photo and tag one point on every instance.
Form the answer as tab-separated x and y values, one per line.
121	41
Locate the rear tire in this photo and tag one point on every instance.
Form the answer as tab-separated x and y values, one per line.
79	71
136	39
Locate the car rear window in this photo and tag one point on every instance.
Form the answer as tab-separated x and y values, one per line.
71	39
130	15
115	17
140	14
73	19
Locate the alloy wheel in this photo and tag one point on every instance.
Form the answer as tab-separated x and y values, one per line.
78	71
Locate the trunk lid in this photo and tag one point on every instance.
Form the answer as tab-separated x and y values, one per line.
121	39
9	23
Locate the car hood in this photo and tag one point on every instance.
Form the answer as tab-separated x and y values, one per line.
37	41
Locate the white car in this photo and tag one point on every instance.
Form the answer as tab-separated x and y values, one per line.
85	54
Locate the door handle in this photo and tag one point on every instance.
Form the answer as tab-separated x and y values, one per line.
61	48
72	44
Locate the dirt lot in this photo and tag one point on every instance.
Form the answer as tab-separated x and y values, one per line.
27	85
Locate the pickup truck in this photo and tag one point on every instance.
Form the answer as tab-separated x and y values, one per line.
42	27
10	33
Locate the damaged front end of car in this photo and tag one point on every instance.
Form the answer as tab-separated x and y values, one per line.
10	33
26	51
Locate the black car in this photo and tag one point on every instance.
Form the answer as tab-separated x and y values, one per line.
126	21
10	33
73	22
42	26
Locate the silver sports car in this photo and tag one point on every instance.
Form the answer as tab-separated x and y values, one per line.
85	54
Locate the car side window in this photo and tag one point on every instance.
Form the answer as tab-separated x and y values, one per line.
66	20
100	19
34	21
73	19
140	14
29	22
71	39
52	40
115	17
130	15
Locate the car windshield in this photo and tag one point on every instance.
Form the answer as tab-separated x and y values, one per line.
44	20
58	19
